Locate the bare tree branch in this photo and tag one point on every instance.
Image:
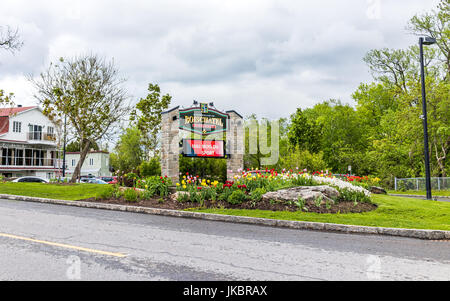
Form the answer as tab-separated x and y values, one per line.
10	39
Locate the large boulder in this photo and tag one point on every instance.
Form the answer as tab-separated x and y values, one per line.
308	193
377	190
174	196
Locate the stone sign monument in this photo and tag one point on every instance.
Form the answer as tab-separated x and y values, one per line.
210	134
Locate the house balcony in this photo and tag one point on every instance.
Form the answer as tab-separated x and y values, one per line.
41	138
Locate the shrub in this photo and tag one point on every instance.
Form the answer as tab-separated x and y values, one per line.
256	195
183	197
305	159
131	195
196	197
208	193
146	195
237	197
150	168
155	185
129	179
106	193
226	192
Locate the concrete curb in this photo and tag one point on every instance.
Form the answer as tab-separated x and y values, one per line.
411	233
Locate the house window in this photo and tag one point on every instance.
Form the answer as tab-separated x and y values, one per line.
35	132
17	126
73	162
50	130
91	161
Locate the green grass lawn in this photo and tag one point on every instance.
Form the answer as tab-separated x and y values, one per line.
53	191
392	212
422	192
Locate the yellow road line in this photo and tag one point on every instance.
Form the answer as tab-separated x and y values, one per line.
55	244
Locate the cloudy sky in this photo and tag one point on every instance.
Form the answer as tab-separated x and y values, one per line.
254	56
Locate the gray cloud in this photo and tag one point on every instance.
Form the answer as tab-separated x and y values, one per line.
255	56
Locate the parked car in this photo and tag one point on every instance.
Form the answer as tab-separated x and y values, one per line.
95	181
31	179
89	176
83	180
109	180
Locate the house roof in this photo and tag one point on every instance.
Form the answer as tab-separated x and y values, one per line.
4	112
89	152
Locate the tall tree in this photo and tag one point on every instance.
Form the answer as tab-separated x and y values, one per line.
75	146
342	138
88	90
10	41
390	66
146	116
128	151
304	133
436	24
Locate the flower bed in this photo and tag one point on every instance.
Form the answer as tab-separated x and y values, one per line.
245	191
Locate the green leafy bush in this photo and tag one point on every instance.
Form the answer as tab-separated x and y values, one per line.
155	185
107	193
131	195
183	197
146	195
150	168
225	194
237	197
256	195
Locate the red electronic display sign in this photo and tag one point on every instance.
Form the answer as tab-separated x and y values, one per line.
203	148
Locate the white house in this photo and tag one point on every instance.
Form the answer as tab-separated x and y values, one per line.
96	163
28	143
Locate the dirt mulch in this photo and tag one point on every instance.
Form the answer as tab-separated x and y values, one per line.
168	203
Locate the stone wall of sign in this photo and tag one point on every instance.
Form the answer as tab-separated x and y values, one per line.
235	145
170	144
170	149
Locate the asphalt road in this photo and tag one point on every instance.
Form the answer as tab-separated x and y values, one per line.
54	242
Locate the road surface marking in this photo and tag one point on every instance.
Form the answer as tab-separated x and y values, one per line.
55	244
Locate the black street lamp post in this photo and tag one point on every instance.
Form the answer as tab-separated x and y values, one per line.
64	148
425	41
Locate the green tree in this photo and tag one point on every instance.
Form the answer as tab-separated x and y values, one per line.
150	168
304	133
128	151
298	160
146	116
260	142
75	146
10	41
436	24
342	136
87	90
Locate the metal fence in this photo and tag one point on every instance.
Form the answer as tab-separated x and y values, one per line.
440	183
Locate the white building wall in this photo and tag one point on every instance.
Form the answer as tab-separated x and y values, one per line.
98	168
34	117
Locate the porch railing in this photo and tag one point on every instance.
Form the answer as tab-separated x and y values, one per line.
39	136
